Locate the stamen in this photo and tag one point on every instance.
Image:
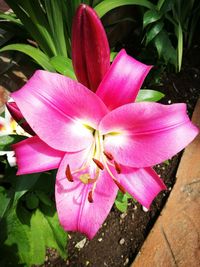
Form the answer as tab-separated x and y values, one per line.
98	163
69	174
90	197
121	188
117	167
108	155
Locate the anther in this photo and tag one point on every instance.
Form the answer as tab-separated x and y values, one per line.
121	188
69	174
98	163
117	167
108	155
90	197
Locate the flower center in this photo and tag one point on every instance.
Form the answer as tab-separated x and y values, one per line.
98	161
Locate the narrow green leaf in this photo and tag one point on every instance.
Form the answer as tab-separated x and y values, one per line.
147	95
63	65
179	34
56	22
10	17
5	201
151	16
32	17
7	140
155	29
33	52
105	6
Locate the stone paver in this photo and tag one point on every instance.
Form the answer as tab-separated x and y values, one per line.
175	238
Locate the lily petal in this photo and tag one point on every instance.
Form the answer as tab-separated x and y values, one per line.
59	110
75	212
145	134
90	48
143	184
18	117
123	80
33	155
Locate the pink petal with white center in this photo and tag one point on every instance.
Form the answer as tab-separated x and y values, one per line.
33	155
75	212
143	184
123	81
58	108
90	48
145	134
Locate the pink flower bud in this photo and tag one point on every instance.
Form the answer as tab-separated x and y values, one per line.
90	48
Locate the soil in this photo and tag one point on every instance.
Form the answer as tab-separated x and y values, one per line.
122	235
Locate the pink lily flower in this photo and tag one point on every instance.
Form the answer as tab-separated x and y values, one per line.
98	142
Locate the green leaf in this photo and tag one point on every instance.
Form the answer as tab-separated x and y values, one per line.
54	10
17	243
121	201
5	201
63	65
7	140
44	233
59	238
165	49
155	29
10	17
151	16
33	17
121	206
44	198
32	201
179	34
105	6
149	95
33	52
24	183
112	56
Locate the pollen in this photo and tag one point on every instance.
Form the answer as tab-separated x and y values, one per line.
85	178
